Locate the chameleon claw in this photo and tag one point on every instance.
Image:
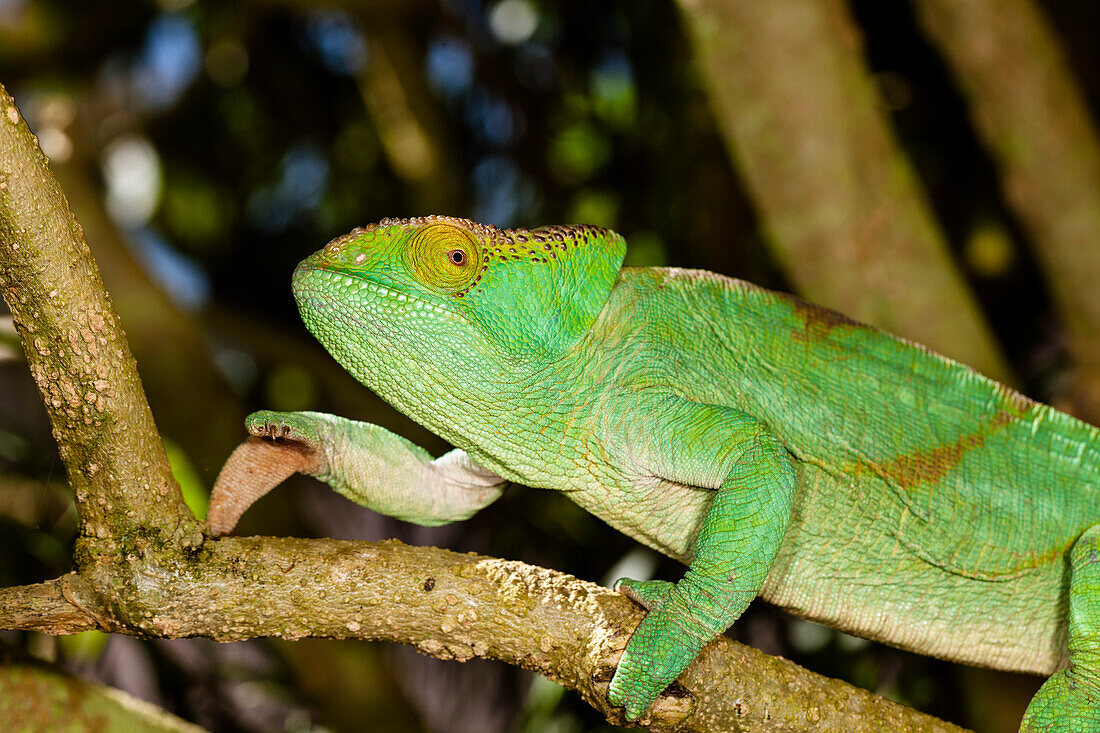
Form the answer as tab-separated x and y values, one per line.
280	426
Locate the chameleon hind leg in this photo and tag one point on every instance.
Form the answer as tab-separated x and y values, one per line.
711	448
1070	699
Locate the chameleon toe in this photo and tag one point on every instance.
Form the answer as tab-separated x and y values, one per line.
649	594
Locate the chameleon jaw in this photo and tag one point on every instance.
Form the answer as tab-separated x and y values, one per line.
320	283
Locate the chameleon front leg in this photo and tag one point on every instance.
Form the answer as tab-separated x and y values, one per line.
366	463
1070	699
725	450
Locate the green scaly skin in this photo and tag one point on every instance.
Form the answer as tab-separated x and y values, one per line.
777	448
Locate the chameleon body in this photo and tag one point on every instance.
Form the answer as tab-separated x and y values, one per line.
775	447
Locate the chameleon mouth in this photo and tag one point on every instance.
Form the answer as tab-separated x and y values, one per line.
323	284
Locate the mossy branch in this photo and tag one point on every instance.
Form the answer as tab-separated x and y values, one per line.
144	568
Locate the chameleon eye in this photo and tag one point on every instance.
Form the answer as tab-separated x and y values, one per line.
442	255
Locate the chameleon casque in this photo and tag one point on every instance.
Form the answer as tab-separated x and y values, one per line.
777	448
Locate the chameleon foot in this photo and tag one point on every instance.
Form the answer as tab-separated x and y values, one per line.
649	594
291	426
659	650
1070	699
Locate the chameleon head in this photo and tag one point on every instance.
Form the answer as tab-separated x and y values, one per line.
448	293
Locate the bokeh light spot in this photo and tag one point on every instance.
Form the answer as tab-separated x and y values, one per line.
132	172
513	21
227	62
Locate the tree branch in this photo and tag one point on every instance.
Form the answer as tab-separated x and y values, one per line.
77	353
49	607
459	606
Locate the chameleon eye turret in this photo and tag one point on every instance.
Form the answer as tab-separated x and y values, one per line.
445	256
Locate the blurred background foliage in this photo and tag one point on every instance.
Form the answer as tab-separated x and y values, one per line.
207	147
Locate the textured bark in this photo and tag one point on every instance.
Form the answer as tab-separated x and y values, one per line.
1034	121
840	203
145	568
48	607
77	353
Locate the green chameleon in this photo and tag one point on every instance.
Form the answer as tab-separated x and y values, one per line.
777	448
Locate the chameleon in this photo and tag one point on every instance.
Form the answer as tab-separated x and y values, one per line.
777	448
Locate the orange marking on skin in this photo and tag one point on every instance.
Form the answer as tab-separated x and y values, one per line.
818	321
929	466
